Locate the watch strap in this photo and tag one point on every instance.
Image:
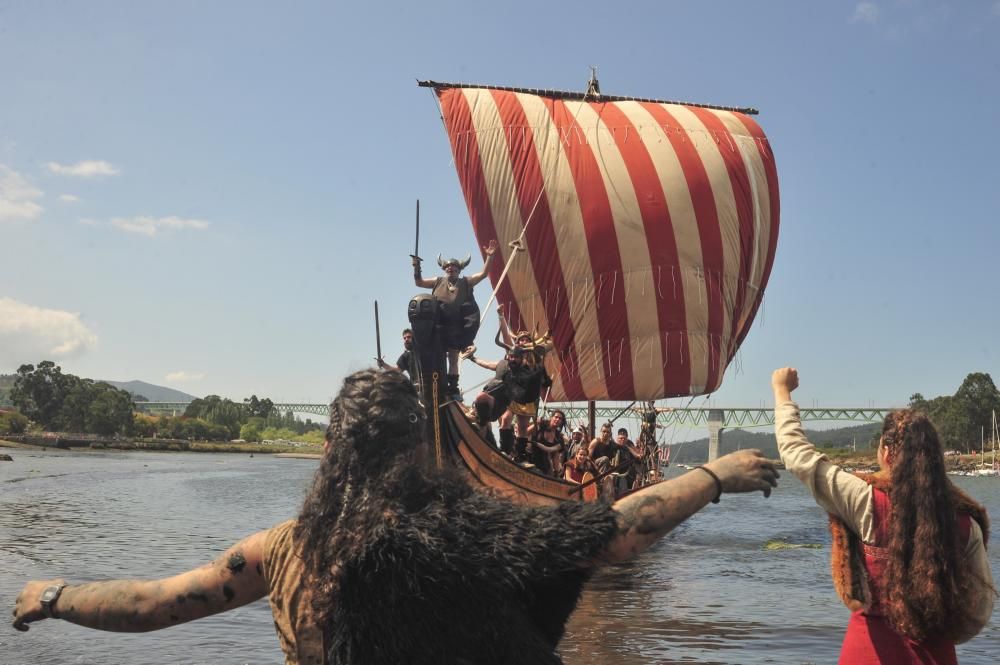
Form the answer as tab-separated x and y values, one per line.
49	597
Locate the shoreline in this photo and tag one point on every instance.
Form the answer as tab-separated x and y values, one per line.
170	446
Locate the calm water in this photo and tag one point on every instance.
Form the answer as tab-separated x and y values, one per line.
706	594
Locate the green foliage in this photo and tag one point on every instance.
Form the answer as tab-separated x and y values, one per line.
192	429
314	437
218	411
251	429
258	408
66	402
959	418
145	426
12	422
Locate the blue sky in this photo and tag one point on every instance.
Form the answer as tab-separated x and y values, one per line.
210	195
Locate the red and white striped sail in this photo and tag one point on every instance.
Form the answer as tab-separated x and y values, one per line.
648	229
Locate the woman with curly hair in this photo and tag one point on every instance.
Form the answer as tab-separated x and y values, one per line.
392	560
908	547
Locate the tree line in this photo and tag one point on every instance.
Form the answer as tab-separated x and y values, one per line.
964	418
67	403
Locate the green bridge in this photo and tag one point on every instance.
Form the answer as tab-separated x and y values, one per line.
716	419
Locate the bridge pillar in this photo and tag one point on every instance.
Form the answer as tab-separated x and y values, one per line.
715	419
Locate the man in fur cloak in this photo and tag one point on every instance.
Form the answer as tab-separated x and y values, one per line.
393	561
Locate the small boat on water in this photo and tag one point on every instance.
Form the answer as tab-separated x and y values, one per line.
639	233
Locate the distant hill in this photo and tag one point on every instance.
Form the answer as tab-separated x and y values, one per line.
148	390
736	439
151	392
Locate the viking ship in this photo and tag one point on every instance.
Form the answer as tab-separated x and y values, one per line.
639	232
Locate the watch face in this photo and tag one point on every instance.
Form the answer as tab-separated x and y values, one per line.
49	594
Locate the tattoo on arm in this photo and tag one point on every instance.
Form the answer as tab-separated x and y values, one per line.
647	515
144	605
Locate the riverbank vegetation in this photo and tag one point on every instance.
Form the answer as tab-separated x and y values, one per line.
49	400
963	420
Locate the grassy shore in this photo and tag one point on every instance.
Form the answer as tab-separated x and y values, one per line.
867	461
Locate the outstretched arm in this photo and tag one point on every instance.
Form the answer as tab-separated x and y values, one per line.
490	250
485	364
647	515
132	606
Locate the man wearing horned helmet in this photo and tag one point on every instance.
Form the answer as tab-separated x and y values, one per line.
459	311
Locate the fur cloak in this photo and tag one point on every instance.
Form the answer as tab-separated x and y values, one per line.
452	576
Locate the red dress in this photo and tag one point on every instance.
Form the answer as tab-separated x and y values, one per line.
869	639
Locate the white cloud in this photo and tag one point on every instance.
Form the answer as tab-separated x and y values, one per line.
69	198
86	169
150	226
17	197
29	334
182	376
865	12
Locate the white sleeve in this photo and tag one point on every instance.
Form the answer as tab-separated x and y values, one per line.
835	490
983	591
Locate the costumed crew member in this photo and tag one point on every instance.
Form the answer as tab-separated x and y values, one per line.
908	548
392	560
512	395
406	361
458	309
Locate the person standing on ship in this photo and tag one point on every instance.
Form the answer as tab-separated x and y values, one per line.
458	309
407	360
908	549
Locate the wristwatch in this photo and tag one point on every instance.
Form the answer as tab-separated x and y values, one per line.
49	597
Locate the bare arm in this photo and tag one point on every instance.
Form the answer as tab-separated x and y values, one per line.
485	364
647	515
418	278
131	606
423	283
490	250
504	338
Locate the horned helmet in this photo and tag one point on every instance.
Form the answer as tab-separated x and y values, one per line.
459	263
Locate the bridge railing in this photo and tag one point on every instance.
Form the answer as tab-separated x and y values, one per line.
742	417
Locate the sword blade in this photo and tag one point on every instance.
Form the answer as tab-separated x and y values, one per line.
416	242
378	335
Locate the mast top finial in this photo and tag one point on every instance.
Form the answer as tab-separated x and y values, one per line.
593	86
